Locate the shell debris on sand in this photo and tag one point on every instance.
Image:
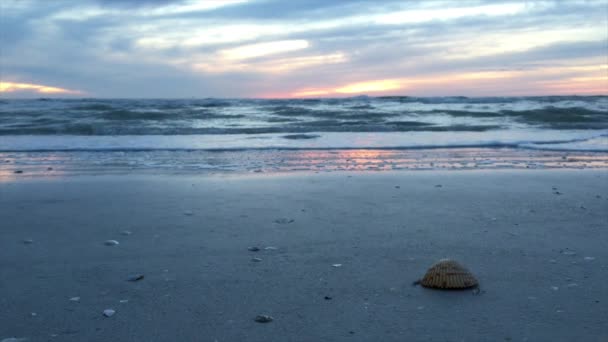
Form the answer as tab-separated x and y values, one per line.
135	277
111	243
108	312
263	319
448	274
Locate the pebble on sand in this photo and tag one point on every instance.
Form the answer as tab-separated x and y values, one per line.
253	249
263	319
108	312
111	243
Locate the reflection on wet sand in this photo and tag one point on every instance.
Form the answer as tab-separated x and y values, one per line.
60	164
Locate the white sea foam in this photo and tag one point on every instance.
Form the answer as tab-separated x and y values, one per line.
583	140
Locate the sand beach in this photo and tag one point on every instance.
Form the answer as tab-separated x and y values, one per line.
338	253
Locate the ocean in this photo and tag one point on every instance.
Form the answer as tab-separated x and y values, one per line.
264	135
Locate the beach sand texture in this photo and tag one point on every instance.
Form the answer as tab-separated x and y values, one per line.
535	240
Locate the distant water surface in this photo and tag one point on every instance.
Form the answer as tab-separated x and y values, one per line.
555	123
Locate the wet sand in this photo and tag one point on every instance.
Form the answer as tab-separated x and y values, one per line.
535	239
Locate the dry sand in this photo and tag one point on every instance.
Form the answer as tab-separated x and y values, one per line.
536	240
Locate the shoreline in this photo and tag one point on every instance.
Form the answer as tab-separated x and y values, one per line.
535	239
60	164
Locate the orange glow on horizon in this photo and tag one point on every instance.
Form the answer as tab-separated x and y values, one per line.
10	87
592	80
369	86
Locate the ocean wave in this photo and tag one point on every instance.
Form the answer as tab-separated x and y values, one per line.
298	116
527	139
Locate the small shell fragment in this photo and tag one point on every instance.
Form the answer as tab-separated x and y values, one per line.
136	277
108	312
253	249
263	319
75	299
111	243
448	274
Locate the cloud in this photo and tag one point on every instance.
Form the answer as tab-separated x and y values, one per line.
250	48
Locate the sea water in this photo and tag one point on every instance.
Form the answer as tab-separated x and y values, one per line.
359	133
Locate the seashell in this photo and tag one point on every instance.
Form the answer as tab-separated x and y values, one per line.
448	274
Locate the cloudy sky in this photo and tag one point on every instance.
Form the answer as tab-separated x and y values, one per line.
301	48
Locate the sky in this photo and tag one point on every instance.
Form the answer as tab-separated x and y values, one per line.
302	48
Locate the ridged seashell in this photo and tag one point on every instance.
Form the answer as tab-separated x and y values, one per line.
448	274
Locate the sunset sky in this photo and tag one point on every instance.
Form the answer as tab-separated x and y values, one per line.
301	48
